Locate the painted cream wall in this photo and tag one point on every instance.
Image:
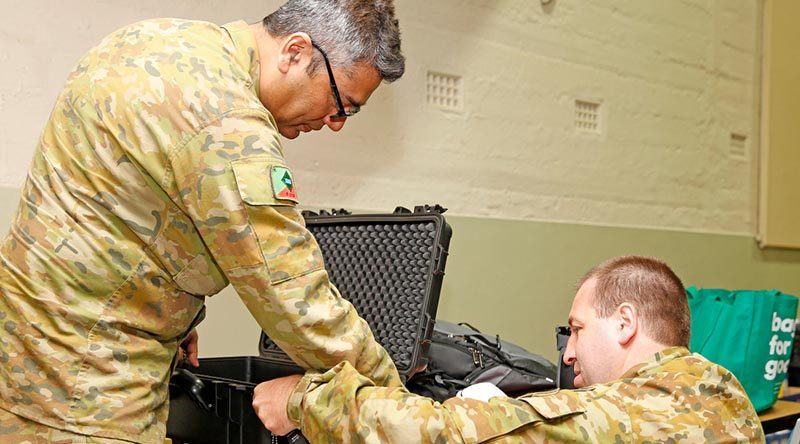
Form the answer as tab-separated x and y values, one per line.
674	79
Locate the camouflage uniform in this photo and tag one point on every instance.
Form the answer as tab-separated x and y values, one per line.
18	430
673	397
158	179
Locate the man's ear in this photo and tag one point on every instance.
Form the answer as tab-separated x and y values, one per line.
628	318
295	51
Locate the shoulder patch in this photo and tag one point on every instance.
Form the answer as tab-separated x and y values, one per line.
283	184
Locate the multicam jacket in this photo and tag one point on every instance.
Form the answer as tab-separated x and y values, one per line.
673	397
158	179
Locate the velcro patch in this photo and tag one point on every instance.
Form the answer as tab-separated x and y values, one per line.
283	184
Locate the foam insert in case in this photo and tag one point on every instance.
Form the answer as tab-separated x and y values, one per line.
389	266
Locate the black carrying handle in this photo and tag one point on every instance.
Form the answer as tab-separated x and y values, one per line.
482	337
193	387
190	384
485	344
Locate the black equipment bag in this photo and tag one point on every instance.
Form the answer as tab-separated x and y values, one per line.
461	355
389	266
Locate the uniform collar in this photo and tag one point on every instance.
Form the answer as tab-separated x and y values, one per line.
246	50
655	362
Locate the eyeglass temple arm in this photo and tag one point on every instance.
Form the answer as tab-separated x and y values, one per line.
330	77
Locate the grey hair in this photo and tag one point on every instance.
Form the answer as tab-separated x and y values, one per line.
349	31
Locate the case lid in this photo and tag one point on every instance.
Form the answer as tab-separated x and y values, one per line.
390	267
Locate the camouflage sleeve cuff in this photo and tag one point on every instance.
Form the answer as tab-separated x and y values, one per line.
305	393
294	408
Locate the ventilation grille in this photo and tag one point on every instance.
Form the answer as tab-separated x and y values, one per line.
445	91
587	116
738	146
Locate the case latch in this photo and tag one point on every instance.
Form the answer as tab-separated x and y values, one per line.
421	209
440	261
334	212
428	209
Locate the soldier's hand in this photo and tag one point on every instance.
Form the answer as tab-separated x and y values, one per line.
189	350
270	400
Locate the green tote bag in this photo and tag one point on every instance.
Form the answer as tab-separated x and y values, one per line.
749	333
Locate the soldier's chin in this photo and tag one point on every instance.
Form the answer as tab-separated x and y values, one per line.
578	382
289	132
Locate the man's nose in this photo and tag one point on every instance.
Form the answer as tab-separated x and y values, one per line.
569	353
334	124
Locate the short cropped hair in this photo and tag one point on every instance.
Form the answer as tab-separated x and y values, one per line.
649	285
349	31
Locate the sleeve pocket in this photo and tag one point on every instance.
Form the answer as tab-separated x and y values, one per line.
264	182
552	407
288	248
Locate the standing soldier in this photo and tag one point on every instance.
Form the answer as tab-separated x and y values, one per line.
159	179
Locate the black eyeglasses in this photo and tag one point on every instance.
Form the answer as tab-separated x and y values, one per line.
342	114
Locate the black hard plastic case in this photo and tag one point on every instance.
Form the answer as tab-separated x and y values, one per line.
389	266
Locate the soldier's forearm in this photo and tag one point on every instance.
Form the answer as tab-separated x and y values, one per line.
306	317
343	406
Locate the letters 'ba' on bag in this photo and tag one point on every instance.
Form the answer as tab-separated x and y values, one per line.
748	332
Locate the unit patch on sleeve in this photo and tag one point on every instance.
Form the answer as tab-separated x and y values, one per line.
283	184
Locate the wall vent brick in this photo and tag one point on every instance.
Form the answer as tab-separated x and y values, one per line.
445	91
738	146
587	117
